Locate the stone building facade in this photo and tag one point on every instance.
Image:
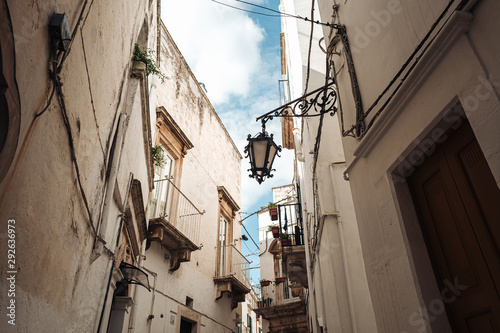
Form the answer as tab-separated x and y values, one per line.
76	162
100	244
413	147
194	240
283	273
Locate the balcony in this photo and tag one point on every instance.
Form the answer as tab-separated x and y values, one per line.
292	243
174	222
284	306
233	275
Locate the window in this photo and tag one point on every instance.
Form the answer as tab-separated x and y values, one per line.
223	246
249	322
161	196
227	212
173	145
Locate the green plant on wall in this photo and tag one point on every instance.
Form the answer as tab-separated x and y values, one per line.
147	57
270	228
272	205
158	157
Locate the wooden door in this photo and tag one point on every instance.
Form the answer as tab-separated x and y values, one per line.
186	326
458	203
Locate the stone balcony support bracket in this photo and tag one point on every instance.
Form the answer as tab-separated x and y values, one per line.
233	286
180	247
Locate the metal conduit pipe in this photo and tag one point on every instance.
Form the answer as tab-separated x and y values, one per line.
342	249
133	310
116	155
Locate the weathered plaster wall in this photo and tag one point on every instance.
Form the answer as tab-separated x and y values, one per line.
59	287
213	161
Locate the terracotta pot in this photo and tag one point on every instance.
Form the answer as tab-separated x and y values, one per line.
286	242
280	279
265	283
276	232
274	213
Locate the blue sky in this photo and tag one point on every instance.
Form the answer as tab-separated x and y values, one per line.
237	56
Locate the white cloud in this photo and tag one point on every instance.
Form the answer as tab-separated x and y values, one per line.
225	50
221	45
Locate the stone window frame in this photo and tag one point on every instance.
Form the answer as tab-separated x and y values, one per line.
227	209
170	136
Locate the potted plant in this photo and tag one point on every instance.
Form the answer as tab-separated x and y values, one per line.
264	283
146	57
285	240
279	280
275	230
273	211
158	156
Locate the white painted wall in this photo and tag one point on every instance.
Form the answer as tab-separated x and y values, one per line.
381	239
338	290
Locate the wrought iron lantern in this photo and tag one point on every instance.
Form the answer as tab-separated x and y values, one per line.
261	150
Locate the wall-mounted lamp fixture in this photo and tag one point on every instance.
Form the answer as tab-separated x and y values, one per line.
261	149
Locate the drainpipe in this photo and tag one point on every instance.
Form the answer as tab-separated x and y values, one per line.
298	145
133	310
342	249
265	250
109	282
153	290
116	155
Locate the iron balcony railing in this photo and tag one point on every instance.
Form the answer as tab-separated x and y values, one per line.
275	294
231	262
170	203
290	223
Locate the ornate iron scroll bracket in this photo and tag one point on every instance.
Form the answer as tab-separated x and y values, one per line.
313	104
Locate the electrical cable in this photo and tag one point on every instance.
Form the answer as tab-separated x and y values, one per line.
52	73
249	249
73	35
306	86
249	234
370	124
419	46
62	105
402	69
272	10
50	97
245	10
259	6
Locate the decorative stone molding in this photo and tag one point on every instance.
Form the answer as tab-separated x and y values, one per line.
231	285
180	247
294	264
171	134
139	72
287	317
228	204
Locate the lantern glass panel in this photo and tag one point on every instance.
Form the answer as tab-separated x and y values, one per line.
272	154
259	153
